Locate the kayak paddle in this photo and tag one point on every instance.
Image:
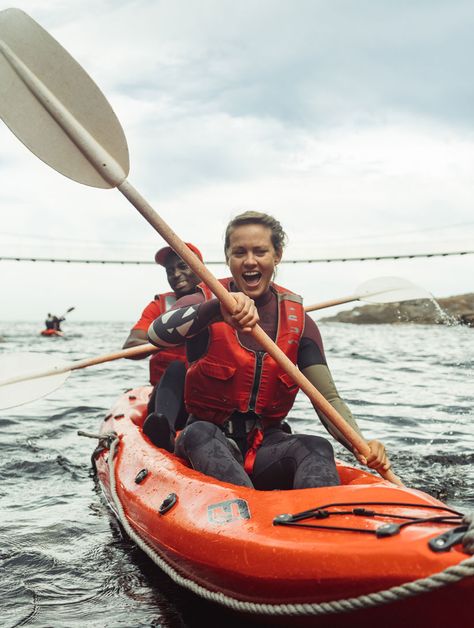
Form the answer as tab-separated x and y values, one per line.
20	368
52	105
25	377
379	290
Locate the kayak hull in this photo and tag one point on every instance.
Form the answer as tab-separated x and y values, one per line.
51	332
221	542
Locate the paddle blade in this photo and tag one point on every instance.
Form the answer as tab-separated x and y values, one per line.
21	365
390	290
46	99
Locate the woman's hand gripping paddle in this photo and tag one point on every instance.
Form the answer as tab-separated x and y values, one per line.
59	113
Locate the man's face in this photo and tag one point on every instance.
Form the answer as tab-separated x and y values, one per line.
181	278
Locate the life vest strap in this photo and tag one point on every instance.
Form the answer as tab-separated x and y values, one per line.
254	439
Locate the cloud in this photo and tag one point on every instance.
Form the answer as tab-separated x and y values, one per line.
350	121
305	64
309	64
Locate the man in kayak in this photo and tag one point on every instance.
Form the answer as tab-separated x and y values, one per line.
235	393
49	322
53	322
167	366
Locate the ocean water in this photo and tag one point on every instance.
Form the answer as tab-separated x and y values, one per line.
63	559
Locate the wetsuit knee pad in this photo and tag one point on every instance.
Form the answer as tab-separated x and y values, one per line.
200	432
316	444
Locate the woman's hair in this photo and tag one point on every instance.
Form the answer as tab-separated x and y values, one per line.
278	236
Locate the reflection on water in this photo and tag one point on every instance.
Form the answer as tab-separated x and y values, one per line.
64	561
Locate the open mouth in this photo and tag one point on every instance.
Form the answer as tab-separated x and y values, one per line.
252	278
178	285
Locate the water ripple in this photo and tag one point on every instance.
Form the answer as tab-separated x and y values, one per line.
64	563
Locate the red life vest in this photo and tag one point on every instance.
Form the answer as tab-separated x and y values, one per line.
230	377
160	360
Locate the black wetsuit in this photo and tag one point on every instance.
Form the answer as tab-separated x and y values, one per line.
283	461
49	322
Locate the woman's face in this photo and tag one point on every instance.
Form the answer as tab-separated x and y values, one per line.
252	258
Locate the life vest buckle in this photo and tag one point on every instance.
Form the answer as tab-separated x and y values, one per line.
238	426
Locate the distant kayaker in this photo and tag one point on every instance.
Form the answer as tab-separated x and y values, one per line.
49	322
236	394
167	366
53	322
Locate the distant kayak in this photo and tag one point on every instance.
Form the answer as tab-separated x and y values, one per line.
51	332
366	551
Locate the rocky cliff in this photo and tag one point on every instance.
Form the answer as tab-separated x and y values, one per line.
444	311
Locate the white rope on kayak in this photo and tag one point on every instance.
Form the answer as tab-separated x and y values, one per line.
468	540
451	575
103	436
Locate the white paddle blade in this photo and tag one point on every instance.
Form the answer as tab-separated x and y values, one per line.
54	107
27	366
390	290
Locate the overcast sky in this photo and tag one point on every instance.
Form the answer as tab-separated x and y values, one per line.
351	121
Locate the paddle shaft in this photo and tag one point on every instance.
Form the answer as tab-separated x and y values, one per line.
360	297
81	364
330	303
316	398
381	290
67	312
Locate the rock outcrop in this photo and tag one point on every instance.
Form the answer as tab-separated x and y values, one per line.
456	310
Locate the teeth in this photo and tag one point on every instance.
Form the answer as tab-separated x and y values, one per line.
252	278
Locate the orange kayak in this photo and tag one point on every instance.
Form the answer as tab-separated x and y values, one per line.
51	332
324	556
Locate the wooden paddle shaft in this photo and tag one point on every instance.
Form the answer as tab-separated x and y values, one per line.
117	355
321	306
81	364
316	398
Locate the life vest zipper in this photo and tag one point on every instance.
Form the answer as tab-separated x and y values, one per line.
259	355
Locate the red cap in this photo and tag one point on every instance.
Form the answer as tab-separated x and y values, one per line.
162	254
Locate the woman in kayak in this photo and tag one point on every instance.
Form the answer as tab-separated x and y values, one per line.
236	394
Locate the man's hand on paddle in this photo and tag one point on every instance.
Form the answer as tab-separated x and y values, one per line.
245	314
377	459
